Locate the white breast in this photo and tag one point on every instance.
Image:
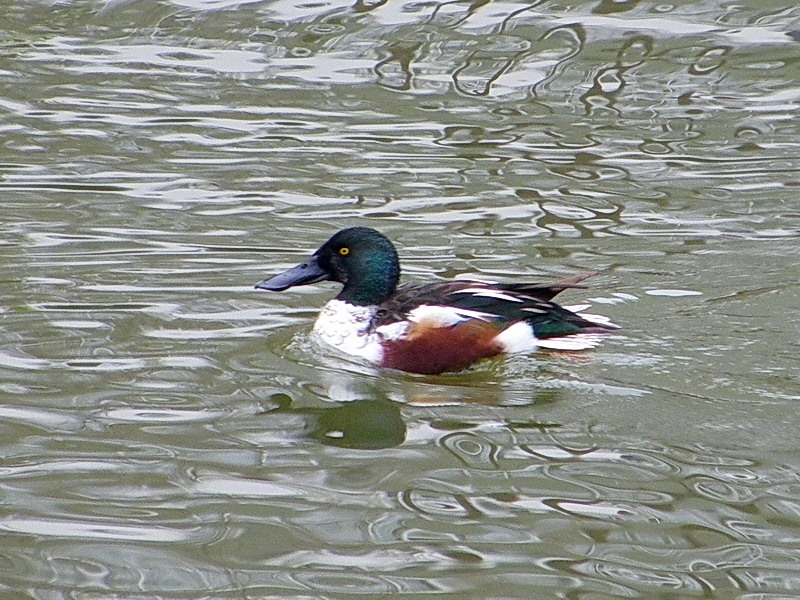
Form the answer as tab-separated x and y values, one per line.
346	328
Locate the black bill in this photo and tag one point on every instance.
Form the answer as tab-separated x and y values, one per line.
302	274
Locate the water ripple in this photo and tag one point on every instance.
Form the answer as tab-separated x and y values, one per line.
96	530
168	431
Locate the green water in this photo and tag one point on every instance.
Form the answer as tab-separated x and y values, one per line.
166	431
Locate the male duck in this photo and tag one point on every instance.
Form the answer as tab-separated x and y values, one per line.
436	327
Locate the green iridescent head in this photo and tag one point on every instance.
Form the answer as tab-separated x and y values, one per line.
360	258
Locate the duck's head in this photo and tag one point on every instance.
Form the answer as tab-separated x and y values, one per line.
360	258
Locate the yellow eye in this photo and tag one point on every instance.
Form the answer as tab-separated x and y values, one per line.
344	251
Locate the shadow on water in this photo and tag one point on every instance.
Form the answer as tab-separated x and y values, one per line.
378	422
361	424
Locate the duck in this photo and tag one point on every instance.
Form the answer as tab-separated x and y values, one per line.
438	327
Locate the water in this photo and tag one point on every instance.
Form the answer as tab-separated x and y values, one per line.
168	432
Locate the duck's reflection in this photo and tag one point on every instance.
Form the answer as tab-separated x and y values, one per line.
362	424
365	411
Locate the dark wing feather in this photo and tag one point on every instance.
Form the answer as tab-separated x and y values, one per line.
548	291
411	295
529	302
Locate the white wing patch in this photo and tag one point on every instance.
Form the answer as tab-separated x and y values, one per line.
576	341
393	331
517	338
599	319
489	293
445	316
576	308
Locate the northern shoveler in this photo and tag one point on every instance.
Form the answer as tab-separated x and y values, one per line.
435	327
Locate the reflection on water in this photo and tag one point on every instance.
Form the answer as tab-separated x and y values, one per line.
167	432
253	505
362	424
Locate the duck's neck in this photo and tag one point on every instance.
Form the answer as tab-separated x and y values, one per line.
373	282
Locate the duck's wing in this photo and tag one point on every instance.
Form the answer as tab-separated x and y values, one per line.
448	303
548	291
413	299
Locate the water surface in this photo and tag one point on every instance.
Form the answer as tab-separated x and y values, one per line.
169	432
